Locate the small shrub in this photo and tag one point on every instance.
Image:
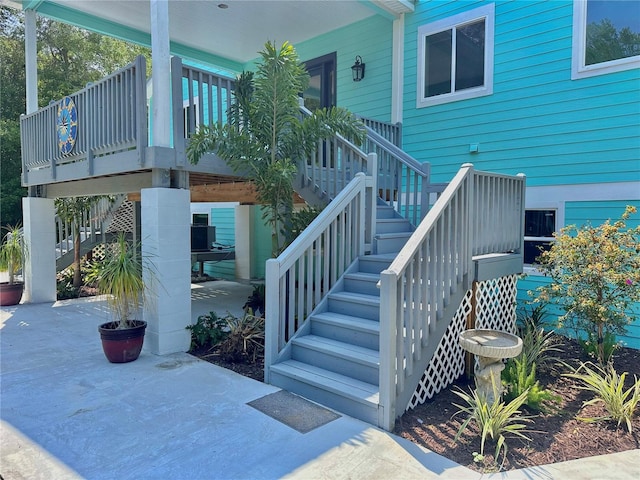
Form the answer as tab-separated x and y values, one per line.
256	300
494	420
245	338
518	377
609	346
209	330
608	388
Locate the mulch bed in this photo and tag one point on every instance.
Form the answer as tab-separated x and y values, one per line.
555	437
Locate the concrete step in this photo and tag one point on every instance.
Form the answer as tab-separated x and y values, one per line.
339	357
342	393
345	328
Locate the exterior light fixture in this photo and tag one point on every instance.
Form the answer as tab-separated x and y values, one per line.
357	69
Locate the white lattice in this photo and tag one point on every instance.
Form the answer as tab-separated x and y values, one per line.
123	219
495	308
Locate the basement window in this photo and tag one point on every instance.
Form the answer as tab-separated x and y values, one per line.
539	226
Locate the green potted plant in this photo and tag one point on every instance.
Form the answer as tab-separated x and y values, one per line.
120	278
13	253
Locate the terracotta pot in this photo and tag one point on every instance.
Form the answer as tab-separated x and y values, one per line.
10	294
122	345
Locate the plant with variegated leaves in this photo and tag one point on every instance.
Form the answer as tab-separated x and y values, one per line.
595	274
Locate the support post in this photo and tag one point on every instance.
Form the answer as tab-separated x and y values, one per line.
40	238
161	80
167	264
31	60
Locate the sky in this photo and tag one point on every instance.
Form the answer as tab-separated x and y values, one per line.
615	11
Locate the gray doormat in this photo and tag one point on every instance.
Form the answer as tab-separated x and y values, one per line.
294	411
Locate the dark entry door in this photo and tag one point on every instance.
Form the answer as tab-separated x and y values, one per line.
322	86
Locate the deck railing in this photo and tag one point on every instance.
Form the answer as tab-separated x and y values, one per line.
403	182
391	132
308	268
200	97
434	270
112	118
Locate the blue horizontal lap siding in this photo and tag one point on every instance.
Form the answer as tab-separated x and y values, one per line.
595	213
538	121
370	38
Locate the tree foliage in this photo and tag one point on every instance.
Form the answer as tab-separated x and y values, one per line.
595	273
68	59
605	43
266	135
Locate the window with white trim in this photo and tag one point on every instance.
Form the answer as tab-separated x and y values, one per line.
539	226
455	57
606	37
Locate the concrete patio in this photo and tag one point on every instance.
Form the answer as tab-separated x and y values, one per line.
67	413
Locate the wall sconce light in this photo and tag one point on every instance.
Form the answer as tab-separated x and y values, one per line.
358	69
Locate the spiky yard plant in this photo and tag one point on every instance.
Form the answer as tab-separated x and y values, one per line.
609	389
13	252
120	278
518	377
493	419
266	135
595	273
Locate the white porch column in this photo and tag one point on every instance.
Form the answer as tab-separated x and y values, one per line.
31	60
397	70
40	237
243	241
161	76
165	243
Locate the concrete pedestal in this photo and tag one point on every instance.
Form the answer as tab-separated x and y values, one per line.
40	237
166	251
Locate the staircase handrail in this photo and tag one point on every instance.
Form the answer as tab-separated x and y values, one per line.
436	263
309	267
93	223
404	183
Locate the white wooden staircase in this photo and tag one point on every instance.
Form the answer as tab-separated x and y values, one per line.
358	304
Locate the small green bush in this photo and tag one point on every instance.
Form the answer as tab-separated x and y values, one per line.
538	345
518	377
608	388
609	346
209	330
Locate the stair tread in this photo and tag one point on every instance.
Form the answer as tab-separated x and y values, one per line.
348	320
341	349
331	381
373	277
356	297
394	235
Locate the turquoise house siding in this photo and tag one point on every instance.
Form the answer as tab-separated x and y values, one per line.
224	221
538	121
372	40
595	213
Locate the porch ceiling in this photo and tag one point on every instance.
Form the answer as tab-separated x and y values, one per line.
234	30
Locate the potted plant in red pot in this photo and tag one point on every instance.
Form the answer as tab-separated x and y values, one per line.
13	253
120	278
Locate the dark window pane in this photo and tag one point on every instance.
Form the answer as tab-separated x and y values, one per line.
613	30
539	223
200	219
533	249
437	68
470	41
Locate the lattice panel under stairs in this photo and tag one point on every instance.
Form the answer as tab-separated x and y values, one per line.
495	308
123	219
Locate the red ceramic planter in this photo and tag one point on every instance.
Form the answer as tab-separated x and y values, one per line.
10	294
122	345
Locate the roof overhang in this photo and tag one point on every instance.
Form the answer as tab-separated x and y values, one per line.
228	33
